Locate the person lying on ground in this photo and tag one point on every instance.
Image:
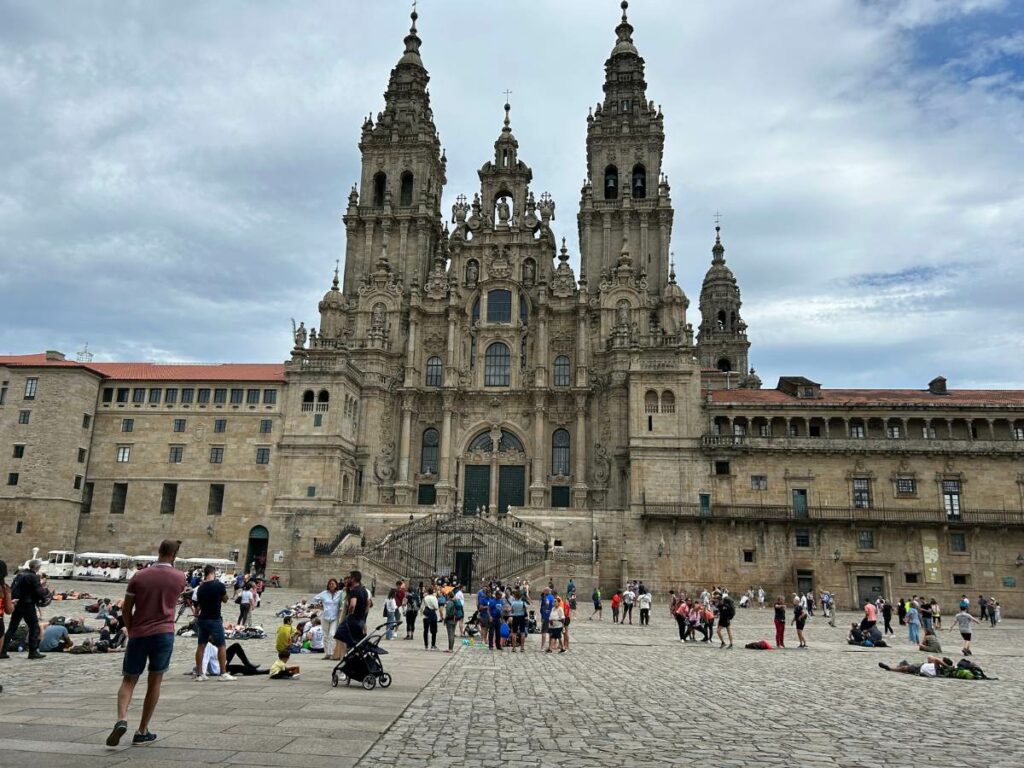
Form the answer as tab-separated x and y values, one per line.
933	667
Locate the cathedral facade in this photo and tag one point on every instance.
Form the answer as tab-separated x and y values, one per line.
466	401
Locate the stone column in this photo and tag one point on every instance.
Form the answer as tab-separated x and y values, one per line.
445	487
403	487
582	362
538	487
579	443
904	427
543	353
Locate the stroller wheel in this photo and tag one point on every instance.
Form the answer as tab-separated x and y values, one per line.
384	680
334	680
369	682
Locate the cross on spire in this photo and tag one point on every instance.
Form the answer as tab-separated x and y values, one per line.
718	219
507	94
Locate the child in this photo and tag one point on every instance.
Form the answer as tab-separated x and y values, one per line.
280	670
963	620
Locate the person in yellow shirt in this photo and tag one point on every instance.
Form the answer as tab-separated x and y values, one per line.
280	670
284	635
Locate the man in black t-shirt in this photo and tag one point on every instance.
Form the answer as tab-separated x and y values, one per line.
357	607
210	596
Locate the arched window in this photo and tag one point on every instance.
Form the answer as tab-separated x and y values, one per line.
434	371
482	443
509	442
428	453
639	182
721	320
380	185
611	182
323	396
562	371
650	401
499	306
307	396
724	365
560	452
497	365
405	196
668	402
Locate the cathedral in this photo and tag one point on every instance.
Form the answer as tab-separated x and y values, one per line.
467	402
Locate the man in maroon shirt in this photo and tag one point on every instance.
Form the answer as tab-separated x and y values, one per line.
148	611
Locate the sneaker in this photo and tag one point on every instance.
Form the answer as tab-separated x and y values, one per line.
143	738
36	655
120	729
227	676
199	678
883	666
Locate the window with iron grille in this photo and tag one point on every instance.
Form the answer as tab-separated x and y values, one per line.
906	486
169	499
215	504
862	493
24	417
497	365
803	537
865	539
958	542
563	373
560	450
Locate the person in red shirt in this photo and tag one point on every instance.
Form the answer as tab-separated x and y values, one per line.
616	602
148	615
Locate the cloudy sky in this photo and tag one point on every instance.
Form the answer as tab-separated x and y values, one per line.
172	174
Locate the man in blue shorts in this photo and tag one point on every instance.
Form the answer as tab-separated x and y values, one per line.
210	596
148	616
547	603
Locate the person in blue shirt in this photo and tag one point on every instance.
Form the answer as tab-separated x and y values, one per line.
497	603
483	612
547	604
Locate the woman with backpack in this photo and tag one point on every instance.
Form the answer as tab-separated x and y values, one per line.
431	613
451	618
412	608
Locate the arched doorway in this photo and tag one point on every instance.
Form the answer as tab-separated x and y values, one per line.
256	553
495	472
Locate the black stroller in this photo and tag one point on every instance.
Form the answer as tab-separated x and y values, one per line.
362	663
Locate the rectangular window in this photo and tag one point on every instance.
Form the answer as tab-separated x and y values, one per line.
31	385
19	451
426	495
220	425
12	478
862	493
865	539
187	394
928	433
961	579
19	526
177	454
3	392
739	430
951	498
499	306
87	498
236	396
86	420
318	419
1018	433
108	394
911	578
217	454
958	542
139	395
78	482
759	482
24	416
81	455
906	486
765	430
124	454
894	432
310	491
169	499
748	555
266	426
154	396
561	496
262	455
119	499
215	505
122	394
171	396
269	396
203	396
721	467
179	425
252	397
127	425
803	537
220	396
857	431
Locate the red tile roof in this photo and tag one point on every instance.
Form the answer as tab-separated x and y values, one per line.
159	371
881	397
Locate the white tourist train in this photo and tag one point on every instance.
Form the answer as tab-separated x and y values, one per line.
101	566
59	563
225	568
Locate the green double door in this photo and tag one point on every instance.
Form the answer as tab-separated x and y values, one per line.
511	487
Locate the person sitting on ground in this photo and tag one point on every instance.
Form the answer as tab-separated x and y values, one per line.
930	643
856	636
280	670
55	638
315	636
113	634
284	635
933	667
104	610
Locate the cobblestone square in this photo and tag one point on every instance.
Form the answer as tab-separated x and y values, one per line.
622	695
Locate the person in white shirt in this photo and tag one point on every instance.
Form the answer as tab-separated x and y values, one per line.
315	635
760	597
248	601
391	610
644	601
460	598
330	600
628	598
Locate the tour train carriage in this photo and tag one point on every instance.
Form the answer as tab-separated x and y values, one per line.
139	562
225	568
59	563
101	566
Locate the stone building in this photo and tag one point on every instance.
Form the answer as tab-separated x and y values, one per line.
467	402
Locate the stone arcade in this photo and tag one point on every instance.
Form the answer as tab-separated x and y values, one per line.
467	401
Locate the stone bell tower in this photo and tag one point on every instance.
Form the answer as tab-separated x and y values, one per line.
625	204
396	208
722	340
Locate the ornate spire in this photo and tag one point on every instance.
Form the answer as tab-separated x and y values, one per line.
507	125
624	34
672	272
337	265
412	43
718	251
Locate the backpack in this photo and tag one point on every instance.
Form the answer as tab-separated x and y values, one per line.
16	588
728	611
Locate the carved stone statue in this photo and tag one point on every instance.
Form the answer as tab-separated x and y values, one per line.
383	465
300	335
504	212
529	272
472	273
312	337
622	313
377	317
